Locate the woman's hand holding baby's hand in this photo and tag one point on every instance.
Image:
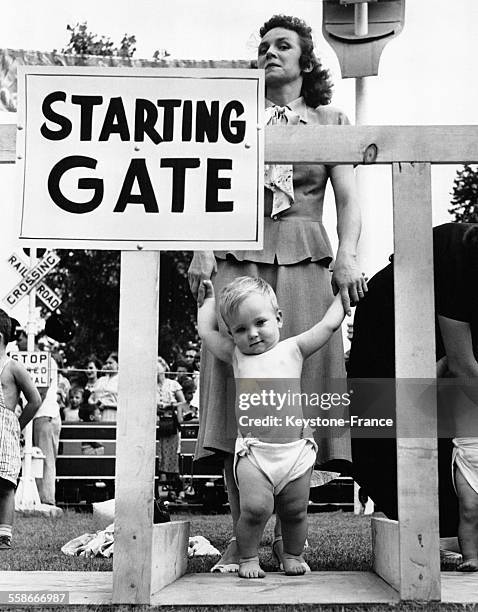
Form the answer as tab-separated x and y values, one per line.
347	280
207	289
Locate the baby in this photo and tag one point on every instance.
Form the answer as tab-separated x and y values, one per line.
274	455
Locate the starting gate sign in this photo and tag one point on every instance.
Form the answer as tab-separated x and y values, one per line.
141	158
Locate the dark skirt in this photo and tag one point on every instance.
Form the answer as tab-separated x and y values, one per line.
168	458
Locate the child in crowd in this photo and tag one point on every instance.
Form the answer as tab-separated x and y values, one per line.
14	379
91	414
274	459
188	410
71	410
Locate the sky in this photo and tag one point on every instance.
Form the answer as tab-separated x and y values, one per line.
427	74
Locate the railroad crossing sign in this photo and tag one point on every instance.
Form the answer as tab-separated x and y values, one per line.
32	278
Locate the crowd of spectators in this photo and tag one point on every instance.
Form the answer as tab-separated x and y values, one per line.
90	392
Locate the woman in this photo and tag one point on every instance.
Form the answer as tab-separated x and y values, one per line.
169	395
297	252
372	356
105	391
92	366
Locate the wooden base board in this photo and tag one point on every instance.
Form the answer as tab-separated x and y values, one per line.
96	588
83	587
276	588
458	587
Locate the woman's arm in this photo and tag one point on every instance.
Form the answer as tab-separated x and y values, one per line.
202	267
347	277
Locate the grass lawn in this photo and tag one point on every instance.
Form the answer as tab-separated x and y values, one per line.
338	541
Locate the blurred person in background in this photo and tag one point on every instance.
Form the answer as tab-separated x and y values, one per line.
46	432
105	390
93	365
75	402
169	395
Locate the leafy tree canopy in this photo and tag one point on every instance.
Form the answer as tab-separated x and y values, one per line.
464	203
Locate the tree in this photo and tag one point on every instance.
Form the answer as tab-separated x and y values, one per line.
464	204
88	281
83	42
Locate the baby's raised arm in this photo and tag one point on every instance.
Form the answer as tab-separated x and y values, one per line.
221	346
315	337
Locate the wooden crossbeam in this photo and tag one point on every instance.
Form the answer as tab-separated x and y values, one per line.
382	144
371	144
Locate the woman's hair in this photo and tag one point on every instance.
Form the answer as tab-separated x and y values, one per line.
94	359
113	355
180	363
162	362
317	85
188	385
233	294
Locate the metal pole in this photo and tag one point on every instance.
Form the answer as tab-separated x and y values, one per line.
361	19
362	173
361	178
31	307
26	497
30	347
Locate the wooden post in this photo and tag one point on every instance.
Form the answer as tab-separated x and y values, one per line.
135	562
417	457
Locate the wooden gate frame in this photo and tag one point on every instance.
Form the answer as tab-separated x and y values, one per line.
406	553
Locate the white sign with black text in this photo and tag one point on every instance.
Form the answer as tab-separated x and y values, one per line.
32	278
49	298
37	364
141	158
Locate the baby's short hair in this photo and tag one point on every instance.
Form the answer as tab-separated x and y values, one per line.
233	294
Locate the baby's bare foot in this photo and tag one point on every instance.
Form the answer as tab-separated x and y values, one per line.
250	568
294	565
468	565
